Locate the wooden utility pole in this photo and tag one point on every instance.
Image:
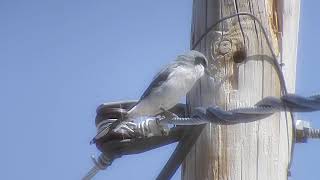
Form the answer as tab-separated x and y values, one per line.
258	150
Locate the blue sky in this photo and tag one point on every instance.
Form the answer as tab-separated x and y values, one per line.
60	59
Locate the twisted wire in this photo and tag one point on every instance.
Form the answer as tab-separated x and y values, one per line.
99	164
264	108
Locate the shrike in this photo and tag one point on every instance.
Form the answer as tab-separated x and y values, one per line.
166	89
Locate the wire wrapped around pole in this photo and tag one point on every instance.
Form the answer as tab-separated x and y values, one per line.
264	108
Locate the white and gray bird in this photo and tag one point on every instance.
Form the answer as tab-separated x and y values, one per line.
167	88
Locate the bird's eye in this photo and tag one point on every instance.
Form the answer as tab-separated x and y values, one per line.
201	60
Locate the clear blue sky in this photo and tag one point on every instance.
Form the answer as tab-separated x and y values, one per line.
60	59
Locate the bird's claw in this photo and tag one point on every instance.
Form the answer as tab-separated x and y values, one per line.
164	129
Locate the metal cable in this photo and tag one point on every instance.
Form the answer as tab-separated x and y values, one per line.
241	29
264	108
99	164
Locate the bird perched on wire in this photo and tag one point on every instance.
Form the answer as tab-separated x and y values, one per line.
166	89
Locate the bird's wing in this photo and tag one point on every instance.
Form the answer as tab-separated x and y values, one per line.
161	77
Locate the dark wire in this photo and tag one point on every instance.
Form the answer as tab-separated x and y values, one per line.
241	29
277	67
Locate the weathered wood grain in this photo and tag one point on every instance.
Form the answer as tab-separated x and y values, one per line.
258	150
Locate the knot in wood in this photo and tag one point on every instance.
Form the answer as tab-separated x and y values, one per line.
225	47
240	54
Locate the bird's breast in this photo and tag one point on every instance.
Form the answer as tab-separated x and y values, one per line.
170	92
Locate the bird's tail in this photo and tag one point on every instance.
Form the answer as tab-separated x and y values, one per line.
103	130
105	126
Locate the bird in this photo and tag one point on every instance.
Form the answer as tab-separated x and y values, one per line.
168	86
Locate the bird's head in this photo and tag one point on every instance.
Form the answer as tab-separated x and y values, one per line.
199	59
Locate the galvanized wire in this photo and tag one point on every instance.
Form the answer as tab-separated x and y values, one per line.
264	108
99	164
